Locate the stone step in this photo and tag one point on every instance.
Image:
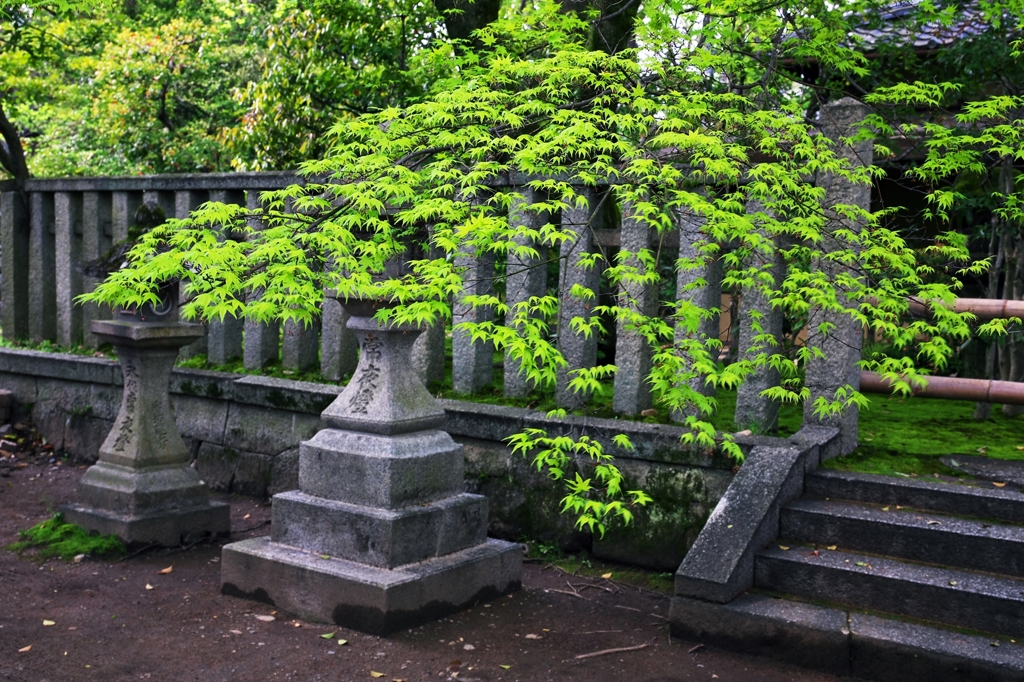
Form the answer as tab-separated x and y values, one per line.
981	501
917	536
965	599
845	642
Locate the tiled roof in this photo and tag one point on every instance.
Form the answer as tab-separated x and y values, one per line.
899	27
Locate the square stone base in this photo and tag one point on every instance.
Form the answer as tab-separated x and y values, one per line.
366	598
168	528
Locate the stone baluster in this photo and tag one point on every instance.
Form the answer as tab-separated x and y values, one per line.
707	296
300	343
578	349
300	346
67	210
97	231
42	298
842	345
186	201
14	265
754	410
526	277
123	207
224	337
166	201
472	363
428	351
262	339
339	351
632	351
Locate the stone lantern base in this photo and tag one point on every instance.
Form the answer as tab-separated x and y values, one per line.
380	535
142	488
369	598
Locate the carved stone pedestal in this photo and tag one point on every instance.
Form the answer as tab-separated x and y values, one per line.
380	535
142	488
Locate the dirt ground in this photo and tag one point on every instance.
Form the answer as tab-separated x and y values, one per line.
134	620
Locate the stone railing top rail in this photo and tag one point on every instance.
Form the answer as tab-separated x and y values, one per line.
150	183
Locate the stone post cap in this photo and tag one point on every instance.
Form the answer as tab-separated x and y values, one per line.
147	334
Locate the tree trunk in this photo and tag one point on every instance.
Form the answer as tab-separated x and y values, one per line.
612	29
462	17
12	156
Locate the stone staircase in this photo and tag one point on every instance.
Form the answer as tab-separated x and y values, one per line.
882	579
948	554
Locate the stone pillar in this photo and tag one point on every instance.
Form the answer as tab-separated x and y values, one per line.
67	209
754	411
42	297
142	489
300	347
96	241
525	277
578	349
185	202
842	345
123	206
339	351
706	295
379	536
262	339
632	352
224	337
428	353
472	363
14	266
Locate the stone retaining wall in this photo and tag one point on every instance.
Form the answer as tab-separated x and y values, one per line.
244	433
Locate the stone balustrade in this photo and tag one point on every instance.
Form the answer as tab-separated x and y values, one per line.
64	222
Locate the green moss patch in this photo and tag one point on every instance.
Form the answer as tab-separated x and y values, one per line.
54	537
907	436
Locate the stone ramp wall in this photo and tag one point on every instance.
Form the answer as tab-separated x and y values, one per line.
244	433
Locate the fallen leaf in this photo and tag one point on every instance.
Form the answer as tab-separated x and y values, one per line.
885	509
1020	447
329	635
532	636
783	547
25	649
998	485
862	563
994	643
468	647
504	667
79	558
166	570
266	619
814	553
49	622
374	673
235	632
935	523
832	547
246	516
148	586
398	679
606	575
953	583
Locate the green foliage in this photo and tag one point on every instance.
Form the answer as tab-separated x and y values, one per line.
54	537
691	124
594	500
